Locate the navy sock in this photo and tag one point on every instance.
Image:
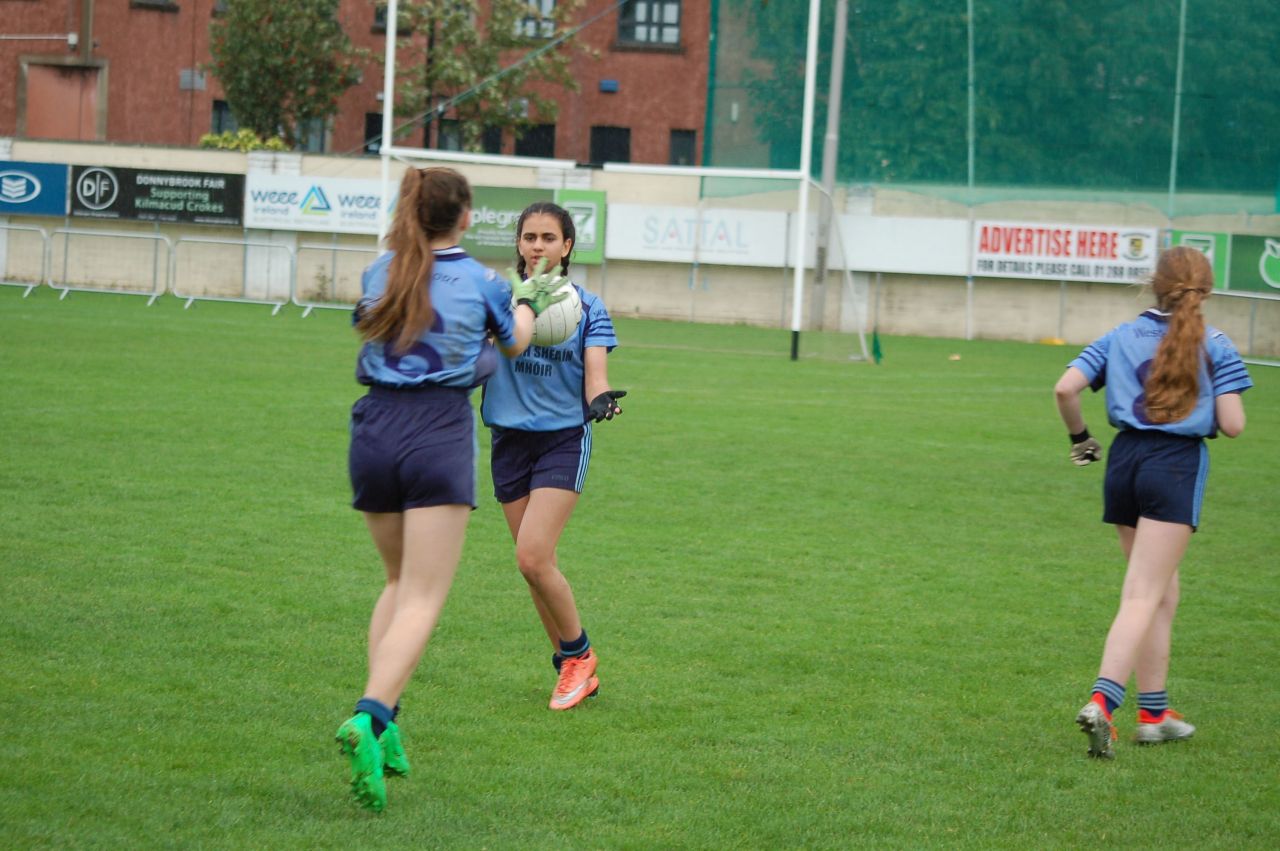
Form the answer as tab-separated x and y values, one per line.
577	647
557	660
379	712
1111	691
1155	702
395	711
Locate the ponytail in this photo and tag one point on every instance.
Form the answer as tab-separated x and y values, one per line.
1183	280
431	202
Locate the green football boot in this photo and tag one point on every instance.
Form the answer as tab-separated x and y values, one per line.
394	761
355	738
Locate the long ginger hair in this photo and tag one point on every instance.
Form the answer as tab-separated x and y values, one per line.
1183	280
431	202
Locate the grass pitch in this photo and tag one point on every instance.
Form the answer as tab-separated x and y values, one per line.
836	605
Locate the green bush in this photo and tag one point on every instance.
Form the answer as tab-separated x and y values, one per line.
242	140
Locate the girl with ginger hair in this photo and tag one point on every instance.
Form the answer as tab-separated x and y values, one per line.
1171	381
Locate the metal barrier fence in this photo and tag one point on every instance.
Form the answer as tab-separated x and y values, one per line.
264	261
42	275
269	273
120	258
329	278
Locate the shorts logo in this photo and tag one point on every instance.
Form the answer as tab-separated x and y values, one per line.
18	187
97	188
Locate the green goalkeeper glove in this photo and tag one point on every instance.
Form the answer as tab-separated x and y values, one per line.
539	289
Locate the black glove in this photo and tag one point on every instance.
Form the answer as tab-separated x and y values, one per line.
603	407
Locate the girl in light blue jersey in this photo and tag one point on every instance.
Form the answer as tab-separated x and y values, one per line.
426	312
540	407
1170	382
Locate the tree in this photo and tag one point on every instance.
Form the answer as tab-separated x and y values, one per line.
282	65
482	72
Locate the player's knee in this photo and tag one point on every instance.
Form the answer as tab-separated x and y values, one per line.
534	564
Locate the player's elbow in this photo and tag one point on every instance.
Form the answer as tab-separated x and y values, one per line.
1229	411
1065	390
1232	426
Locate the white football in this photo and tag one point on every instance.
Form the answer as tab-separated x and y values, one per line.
558	322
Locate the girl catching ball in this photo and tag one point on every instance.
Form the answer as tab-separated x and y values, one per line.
540	408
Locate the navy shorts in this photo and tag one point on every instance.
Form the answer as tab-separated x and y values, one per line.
1155	475
524	460
412	449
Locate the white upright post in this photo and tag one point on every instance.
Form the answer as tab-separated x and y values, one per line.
1177	108
388	114
970	138
806	157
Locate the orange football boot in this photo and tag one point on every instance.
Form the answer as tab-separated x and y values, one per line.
577	681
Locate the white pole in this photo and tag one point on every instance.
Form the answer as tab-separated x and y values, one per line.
968	277
388	114
971	132
1177	107
806	157
830	153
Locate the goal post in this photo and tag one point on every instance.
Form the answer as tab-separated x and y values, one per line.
800	177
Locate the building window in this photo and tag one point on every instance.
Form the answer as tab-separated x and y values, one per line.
380	18
311	136
540	22
219	8
448	135
610	145
158	5
372	132
537	141
223	121
682	146
653	23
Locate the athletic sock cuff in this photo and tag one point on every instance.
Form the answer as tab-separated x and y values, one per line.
577	647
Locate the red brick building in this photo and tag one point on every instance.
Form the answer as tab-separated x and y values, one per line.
130	71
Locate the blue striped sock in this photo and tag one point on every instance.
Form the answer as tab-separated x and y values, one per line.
577	647
1155	702
1111	691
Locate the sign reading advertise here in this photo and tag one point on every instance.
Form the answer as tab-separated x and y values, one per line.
1096	253
196	197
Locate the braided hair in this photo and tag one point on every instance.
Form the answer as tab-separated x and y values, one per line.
1183	280
567	230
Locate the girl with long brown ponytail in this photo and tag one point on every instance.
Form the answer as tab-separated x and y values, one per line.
1171	381
426	315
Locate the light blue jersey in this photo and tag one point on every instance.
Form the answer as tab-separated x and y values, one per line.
1121	360
470	302
542	390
